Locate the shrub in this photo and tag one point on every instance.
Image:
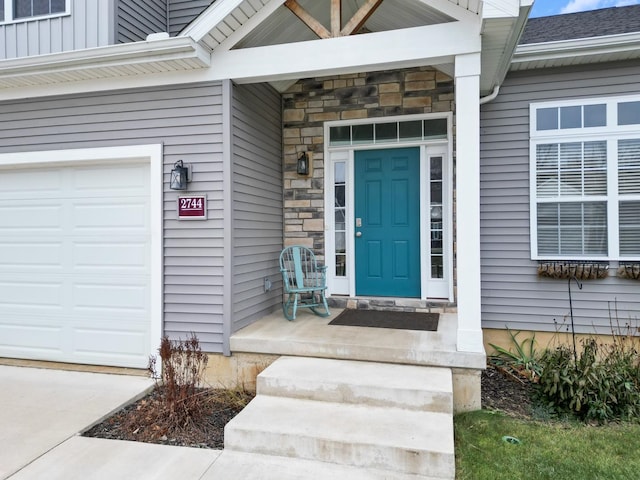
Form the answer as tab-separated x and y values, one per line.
521	359
600	383
183	365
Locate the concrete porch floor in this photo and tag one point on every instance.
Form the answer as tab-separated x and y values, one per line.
312	336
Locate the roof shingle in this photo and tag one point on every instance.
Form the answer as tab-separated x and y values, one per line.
594	23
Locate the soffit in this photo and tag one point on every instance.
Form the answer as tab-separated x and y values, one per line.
390	15
225	17
115	61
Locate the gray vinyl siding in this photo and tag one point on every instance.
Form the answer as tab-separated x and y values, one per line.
183	12
90	24
257	201
512	293
139	18
187	120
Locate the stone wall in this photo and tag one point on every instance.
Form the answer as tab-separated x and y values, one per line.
311	102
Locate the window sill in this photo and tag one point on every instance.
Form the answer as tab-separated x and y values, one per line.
33	19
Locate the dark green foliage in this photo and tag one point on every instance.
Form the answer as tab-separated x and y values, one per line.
521	358
603	385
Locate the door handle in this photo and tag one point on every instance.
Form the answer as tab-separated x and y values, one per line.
358	234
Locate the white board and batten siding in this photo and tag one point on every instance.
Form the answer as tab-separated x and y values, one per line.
96	23
89	24
512	293
133	25
187	121
257	202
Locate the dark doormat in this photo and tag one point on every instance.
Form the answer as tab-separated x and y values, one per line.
387	319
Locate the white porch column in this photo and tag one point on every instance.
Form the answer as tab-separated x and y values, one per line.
467	95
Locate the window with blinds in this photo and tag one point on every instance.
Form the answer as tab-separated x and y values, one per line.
585	182
629	196
566	172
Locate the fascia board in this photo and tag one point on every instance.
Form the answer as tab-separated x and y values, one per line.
500	8
348	54
113	55
577	47
511	45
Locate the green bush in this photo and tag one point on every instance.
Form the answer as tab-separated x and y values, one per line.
603	384
520	358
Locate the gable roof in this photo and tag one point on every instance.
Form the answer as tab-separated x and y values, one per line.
597	36
250	23
253	24
594	23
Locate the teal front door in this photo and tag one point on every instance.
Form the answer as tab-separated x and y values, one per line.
387	222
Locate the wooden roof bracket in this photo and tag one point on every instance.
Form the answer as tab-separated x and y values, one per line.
353	25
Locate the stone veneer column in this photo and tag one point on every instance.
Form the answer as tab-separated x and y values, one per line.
311	102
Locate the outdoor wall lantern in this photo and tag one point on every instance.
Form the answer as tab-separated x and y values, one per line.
179	176
303	164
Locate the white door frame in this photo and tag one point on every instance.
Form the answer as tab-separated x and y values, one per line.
150	154
431	289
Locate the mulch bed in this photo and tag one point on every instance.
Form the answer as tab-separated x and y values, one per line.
510	394
147	420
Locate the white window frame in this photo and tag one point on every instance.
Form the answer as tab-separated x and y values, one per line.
428	148
9	16
611	134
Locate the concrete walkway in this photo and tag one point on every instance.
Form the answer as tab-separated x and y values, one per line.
42	410
301	425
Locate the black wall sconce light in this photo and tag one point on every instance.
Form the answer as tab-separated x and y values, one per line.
303	164
179	176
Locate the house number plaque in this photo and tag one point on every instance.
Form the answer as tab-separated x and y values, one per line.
193	207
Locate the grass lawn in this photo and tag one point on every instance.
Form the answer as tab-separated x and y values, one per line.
558	451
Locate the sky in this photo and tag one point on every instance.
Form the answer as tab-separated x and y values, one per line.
543	8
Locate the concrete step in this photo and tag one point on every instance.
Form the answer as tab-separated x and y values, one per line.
345	381
251	466
389	439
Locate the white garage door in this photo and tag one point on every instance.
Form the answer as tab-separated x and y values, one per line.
75	264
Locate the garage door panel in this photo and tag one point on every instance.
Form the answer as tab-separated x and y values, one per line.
116	217
45	256
131	256
122	299
31	183
31	218
31	336
120	343
32	295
